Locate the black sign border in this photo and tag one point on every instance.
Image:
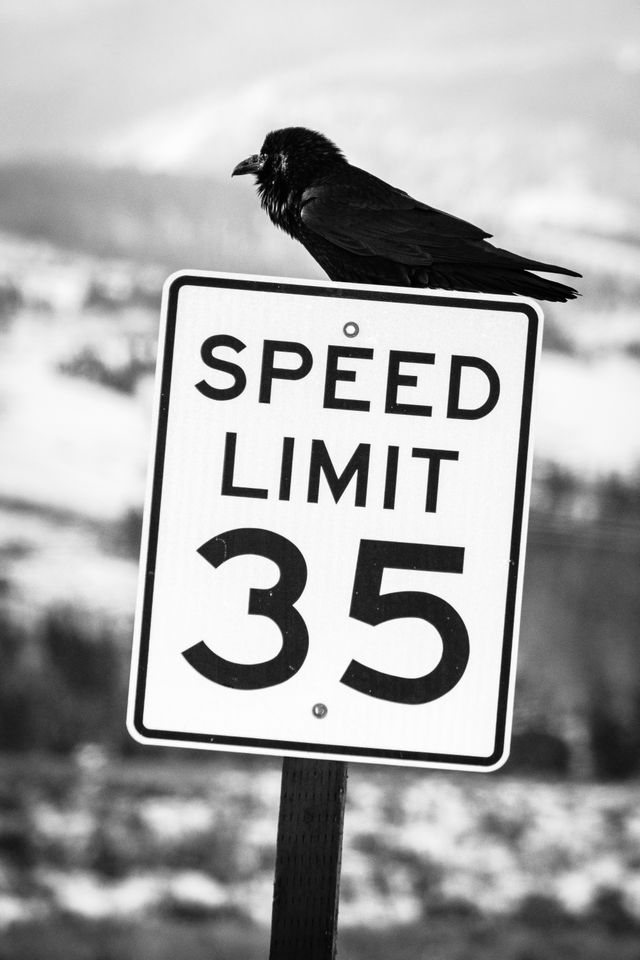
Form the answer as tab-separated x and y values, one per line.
349	293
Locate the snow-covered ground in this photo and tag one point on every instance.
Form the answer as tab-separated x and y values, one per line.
122	845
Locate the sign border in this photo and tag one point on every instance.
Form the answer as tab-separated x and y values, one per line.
154	498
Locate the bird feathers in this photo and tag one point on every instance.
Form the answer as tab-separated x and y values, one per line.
361	229
369	217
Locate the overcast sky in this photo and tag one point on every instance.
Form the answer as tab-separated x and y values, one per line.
160	83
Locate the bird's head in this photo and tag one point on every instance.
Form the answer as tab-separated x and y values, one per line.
289	159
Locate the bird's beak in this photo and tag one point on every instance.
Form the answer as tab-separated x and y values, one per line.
250	165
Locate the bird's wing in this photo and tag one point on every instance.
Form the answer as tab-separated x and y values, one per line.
367	216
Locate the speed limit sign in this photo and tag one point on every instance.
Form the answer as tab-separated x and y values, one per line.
334	533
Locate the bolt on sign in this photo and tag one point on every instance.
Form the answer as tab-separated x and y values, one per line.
334	535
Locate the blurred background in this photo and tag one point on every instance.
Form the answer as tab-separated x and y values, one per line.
121	122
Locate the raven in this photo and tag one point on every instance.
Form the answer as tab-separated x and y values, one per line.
362	230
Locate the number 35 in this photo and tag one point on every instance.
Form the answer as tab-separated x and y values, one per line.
367	605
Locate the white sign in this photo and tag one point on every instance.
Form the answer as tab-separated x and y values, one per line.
335	525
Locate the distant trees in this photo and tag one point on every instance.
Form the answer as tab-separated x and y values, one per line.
62	684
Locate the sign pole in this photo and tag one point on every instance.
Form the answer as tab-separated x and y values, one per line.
308	853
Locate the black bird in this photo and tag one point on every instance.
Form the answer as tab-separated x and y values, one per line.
362	230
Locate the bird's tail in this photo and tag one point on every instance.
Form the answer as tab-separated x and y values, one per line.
501	279
513	260
531	285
